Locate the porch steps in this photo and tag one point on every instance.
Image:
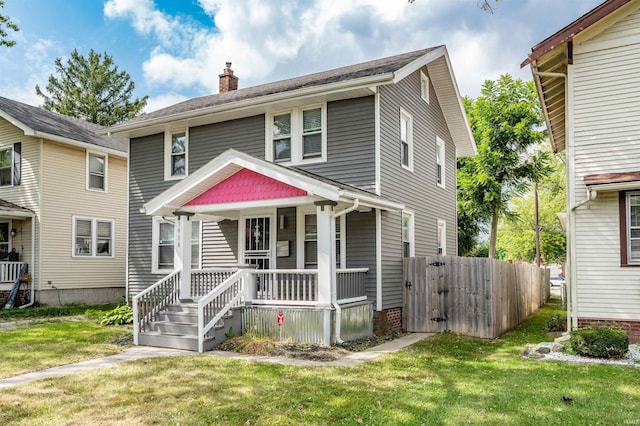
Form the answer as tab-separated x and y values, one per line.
177	328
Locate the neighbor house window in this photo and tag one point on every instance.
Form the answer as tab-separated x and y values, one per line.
424	87
442	238
440	162
176	151
164	244
298	135
406	140
5	241
92	237
408	249
96	172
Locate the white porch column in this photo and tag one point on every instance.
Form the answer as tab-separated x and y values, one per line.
326	222
182	254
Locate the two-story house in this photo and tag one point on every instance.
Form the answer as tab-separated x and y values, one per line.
588	80
63	204
296	200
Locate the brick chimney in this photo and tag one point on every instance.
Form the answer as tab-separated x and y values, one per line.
228	81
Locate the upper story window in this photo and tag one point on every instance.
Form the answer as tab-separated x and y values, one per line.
408	246
176	155
440	162
442	238
96	172
92	237
297	136
424	87
406	140
10	164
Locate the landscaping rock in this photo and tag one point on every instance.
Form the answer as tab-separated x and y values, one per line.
543	350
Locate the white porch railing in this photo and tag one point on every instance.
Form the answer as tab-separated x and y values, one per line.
10	271
154	299
203	281
286	285
213	306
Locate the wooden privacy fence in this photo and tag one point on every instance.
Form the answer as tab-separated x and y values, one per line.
476	297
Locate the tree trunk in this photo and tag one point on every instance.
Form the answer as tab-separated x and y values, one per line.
535	193
493	236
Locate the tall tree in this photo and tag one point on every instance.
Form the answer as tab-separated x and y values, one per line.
506	123
517	231
5	22
92	89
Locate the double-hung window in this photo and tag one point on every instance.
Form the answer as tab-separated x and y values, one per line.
10	164
440	162
176	155
96	172
633	227
442	238
297	136
408	246
164	244
92	237
406	140
310	241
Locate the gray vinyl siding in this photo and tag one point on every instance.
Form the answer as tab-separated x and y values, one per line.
350	143
417	190
146	180
287	233
220	244
361	247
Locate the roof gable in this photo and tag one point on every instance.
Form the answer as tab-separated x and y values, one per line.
38	122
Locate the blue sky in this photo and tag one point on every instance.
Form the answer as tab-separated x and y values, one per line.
175	49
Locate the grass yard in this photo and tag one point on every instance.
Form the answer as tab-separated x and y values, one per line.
57	341
444	380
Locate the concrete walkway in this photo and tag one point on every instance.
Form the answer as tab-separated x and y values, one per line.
141	352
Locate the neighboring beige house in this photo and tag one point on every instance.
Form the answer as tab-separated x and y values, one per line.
63	208
588	79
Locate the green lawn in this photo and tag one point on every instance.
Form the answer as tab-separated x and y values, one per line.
444	380
52	342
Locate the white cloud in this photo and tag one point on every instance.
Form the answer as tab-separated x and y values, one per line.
157	102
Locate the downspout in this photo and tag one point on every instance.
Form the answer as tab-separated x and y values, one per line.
334	290
569	170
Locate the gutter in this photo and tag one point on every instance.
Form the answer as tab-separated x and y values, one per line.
334	290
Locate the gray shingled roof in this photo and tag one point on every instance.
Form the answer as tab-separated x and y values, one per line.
351	72
56	124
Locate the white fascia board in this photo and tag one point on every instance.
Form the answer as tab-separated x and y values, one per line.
79	144
17	214
365	82
619	186
414	66
373	202
244	205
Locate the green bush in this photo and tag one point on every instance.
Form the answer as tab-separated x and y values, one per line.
557	323
120	315
600	342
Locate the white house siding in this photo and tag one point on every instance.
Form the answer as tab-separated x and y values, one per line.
64	195
605	79
27	193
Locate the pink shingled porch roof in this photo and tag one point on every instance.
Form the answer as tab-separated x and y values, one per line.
246	185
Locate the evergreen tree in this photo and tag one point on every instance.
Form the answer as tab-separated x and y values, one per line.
92	89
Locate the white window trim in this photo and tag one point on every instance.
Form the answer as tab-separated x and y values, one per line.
443	237
94	237
409	119
296	135
106	170
167	154
300	214
424	87
4	148
411	231
440	147
155	234
630	260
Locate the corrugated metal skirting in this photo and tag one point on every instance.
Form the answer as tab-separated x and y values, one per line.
313	325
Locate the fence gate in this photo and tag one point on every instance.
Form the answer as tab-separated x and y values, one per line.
426	295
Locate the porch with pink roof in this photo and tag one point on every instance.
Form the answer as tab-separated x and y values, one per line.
237	186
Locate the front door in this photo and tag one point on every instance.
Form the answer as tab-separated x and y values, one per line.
257	242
